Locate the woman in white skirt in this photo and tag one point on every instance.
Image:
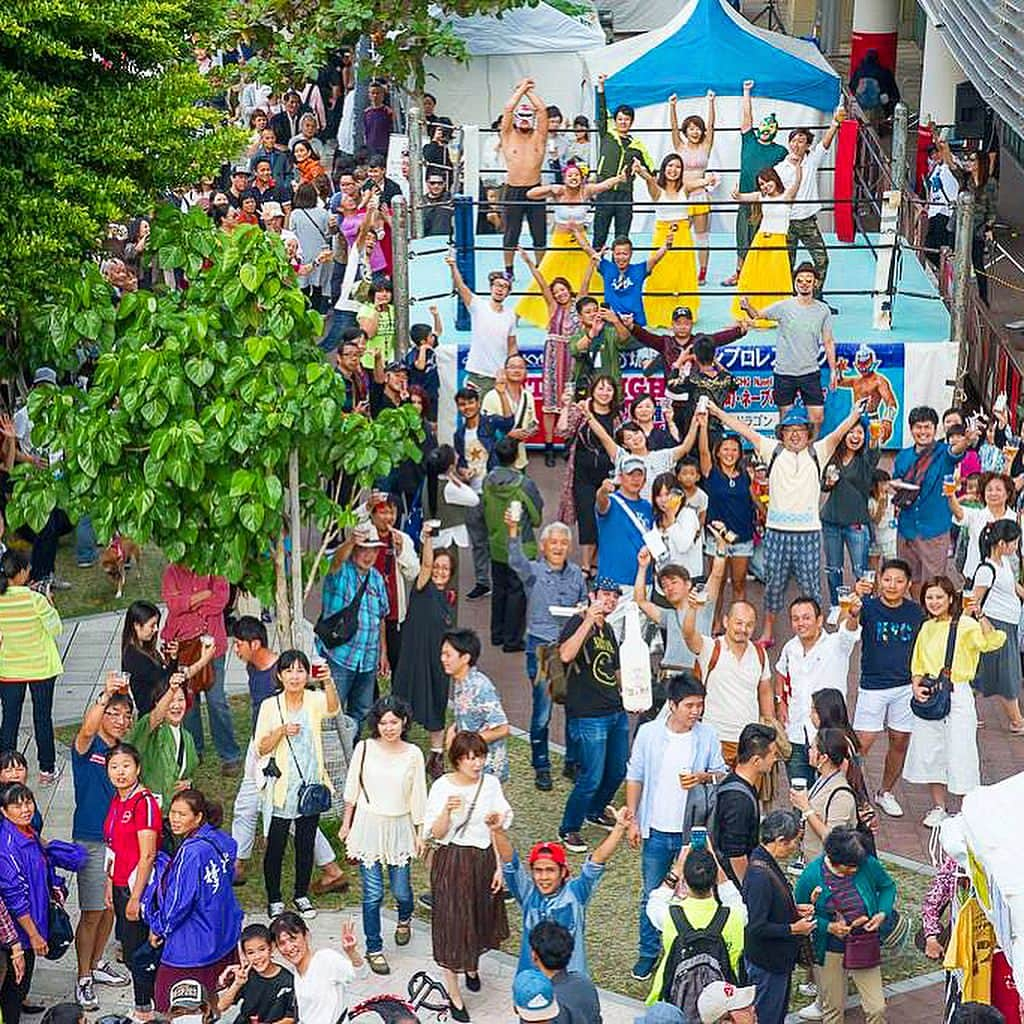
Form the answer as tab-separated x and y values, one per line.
944	754
385	800
997	593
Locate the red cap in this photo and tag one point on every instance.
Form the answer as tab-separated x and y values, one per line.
548	851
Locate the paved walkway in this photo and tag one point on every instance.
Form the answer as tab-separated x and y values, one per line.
90	648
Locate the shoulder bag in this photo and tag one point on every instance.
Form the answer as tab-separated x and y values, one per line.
903	499
314	797
338	629
935	707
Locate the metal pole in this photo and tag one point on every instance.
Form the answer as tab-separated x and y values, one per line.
899	146
961	286
295	528
415	126
465	253
400	281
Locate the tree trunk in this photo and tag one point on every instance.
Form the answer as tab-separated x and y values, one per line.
283	605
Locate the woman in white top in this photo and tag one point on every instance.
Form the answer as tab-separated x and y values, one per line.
468	914
766	275
675	276
565	257
997	593
385	797
998	493
678	525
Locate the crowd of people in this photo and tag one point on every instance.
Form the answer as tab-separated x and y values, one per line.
742	782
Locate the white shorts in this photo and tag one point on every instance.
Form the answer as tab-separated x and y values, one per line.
877	709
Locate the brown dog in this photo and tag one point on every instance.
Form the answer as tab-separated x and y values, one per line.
114	558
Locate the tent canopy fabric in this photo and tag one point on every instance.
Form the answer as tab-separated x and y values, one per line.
540	29
708	45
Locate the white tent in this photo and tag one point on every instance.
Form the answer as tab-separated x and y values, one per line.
537	42
642	15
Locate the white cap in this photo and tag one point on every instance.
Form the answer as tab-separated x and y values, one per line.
719	998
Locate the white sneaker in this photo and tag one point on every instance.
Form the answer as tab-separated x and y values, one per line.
104	973
935	817
832	620
811	1012
808	988
889	804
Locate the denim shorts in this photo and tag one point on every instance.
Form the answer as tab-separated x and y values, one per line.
741	549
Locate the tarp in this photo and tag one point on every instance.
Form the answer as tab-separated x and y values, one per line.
540	29
708	45
642	15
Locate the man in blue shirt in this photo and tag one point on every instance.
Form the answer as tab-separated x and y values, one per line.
890	623
624	280
546	892
622	519
923	527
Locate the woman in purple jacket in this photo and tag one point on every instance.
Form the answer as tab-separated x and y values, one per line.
27	879
189	904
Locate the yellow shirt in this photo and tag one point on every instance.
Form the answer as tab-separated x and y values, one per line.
930	649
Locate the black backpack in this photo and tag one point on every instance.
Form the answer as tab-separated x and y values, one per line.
697	958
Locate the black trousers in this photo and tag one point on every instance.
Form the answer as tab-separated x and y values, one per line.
13	993
978	260
612	207
508	606
44	548
277	839
938	235
132	935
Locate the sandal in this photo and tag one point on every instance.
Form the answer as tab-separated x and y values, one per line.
378	963
403	933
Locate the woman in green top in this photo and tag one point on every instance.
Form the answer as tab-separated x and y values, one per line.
169	758
28	655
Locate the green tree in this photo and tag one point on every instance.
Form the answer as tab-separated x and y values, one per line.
200	400
101	110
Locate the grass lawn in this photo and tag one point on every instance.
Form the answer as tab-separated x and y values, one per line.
612	916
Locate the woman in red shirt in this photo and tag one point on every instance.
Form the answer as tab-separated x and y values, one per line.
132	832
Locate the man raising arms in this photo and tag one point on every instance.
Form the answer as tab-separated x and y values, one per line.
523	137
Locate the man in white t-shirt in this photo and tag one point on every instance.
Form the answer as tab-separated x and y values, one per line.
803	218
792	536
322	978
735	672
812	660
492	328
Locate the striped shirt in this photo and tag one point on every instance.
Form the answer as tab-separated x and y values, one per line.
28	624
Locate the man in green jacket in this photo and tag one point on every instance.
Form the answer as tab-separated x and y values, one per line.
616	152
506	487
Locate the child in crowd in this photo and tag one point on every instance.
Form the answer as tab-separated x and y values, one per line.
421	359
883	520
260	987
688	475
14	768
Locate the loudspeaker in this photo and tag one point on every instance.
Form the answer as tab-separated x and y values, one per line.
970	112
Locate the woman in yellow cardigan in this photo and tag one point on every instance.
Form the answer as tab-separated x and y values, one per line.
945	754
28	658
288	730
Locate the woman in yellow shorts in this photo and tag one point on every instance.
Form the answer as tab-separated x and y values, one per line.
693	141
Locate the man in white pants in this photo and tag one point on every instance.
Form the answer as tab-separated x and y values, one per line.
252	649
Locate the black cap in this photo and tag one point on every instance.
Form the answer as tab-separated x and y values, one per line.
682	311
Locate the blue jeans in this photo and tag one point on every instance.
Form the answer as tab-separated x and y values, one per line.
659	853
798	767
220	718
85	541
602	746
857	540
772	998
540	717
400	881
355	690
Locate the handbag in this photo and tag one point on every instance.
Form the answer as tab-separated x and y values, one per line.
862	950
903	498
314	797
62	934
189	652
935	707
338	629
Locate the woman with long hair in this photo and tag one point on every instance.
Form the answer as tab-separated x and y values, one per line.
944	754
730	503
307	165
468	914
566	256
848	478
693	141
419	677
132	834
675	276
831	801
385	799
994	590
189	903
308	219
589	464
678	525
288	730
446	496
29	660
766	276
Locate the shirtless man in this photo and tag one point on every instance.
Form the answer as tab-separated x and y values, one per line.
523	135
867	383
